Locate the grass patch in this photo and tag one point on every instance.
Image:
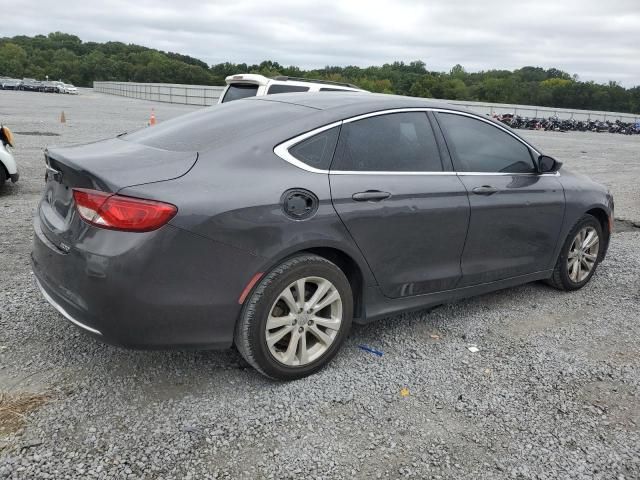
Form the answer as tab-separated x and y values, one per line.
14	409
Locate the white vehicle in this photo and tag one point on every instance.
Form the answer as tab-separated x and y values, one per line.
69	88
60	87
251	85
8	167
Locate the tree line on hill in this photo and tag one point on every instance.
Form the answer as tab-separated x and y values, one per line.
66	57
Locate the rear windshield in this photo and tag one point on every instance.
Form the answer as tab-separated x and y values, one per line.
217	125
236	91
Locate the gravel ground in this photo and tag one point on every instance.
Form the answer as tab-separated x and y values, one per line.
553	392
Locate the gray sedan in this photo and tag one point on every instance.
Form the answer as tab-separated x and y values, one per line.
273	223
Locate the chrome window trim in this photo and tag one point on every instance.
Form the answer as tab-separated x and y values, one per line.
282	149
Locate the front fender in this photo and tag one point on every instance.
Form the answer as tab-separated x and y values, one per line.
582	195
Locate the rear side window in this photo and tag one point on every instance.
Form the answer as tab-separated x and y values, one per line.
480	147
280	88
317	151
397	142
236	91
329	89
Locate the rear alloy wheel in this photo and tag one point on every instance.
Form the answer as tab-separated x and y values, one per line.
296	318
580	255
304	321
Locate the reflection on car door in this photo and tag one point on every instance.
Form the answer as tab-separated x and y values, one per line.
407	214
516	213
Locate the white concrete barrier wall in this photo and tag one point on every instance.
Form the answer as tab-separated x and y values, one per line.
208	95
532	111
162	92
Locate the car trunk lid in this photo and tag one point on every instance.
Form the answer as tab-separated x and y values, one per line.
108	166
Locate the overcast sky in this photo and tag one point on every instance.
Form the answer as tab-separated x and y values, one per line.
597	39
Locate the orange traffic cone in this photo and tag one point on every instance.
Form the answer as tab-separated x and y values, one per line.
63	119
152	118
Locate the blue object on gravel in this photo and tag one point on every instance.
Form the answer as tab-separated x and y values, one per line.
370	350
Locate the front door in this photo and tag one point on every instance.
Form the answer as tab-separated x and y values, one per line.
516	213
407	214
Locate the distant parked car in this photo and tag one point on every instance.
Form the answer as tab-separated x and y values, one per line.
49	87
59	87
11	84
251	85
31	85
8	167
274	223
71	89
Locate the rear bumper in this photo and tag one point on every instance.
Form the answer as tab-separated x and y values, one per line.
162	289
64	313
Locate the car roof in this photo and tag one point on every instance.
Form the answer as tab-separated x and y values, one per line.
331	107
354	103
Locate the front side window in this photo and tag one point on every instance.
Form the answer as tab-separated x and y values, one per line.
236	91
397	142
478	146
280	88
317	151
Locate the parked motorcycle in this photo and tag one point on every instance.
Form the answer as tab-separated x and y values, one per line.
554	124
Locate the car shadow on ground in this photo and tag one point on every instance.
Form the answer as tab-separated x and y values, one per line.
82	356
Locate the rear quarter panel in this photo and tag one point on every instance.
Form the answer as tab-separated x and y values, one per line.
233	196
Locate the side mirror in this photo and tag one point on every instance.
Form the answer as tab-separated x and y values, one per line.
547	164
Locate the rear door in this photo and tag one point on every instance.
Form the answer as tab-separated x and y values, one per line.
516	213
406	211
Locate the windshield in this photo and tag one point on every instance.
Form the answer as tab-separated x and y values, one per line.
236	91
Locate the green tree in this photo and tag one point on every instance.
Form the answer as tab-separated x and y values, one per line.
64	56
13	60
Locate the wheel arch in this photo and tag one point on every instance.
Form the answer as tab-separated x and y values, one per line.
358	274
602	216
350	268
5	170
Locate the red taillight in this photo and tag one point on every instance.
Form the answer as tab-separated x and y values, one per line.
117	212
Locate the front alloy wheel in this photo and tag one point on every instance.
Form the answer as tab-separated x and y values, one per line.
583	254
579	256
295	319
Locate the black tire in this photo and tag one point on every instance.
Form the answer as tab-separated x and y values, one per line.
560	278
250	333
3	175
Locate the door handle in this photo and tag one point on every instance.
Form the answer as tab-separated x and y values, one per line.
370	196
485	190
